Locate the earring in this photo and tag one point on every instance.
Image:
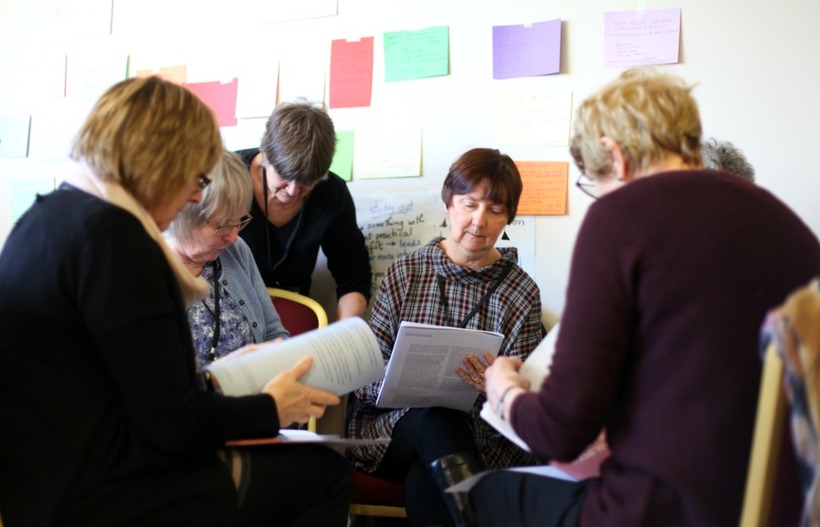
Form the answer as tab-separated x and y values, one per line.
444	222
504	236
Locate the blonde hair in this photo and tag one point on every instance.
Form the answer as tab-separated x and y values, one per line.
647	114
230	193
151	136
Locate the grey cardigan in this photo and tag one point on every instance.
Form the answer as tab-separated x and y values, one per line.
241	279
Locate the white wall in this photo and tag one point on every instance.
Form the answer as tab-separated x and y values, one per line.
754	62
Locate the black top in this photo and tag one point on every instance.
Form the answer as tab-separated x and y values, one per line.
286	255
100	403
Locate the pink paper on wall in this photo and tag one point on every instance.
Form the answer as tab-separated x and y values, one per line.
351	73
221	98
641	38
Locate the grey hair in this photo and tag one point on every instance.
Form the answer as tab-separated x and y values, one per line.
723	155
229	193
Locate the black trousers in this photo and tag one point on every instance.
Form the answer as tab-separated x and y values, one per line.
420	437
295	486
278	485
510	499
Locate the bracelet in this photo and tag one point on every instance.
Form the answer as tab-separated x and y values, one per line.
499	409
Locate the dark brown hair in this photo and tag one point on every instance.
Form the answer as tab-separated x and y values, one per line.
485	164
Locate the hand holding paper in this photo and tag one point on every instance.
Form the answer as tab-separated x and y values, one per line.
345	357
295	402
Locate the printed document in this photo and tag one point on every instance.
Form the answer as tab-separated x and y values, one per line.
346	356
421	371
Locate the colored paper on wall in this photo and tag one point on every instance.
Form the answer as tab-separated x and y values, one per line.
177	74
14	134
641	38
351	73
387	151
545	187
221	98
416	54
342	164
527	50
534	118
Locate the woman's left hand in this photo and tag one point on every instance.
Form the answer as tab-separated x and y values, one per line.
473	371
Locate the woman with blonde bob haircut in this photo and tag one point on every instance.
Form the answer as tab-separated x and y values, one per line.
659	334
113	423
150	137
647	116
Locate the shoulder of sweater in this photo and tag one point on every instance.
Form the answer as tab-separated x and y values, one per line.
239	252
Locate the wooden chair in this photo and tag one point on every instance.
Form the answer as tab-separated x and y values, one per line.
299	314
768	433
793	331
372	496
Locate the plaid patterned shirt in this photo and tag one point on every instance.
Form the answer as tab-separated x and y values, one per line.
409	291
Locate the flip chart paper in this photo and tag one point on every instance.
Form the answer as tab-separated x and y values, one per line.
534	118
256	89
83	18
387	151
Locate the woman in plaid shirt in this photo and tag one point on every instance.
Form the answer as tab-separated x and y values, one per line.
461	280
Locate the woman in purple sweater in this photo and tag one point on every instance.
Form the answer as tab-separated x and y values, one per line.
673	271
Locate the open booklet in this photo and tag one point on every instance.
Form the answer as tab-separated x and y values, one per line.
345	355
421	371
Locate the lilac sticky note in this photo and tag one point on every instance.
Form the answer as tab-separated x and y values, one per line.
521	51
639	38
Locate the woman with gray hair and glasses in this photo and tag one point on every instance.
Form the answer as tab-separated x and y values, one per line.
238	310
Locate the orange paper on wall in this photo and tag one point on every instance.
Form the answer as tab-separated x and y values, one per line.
545	187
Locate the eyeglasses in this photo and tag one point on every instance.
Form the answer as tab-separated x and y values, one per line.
203	181
587	186
225	228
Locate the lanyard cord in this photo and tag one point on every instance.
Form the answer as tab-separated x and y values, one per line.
273	266
217	268
484	299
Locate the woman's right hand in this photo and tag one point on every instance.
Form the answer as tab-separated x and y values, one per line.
296	402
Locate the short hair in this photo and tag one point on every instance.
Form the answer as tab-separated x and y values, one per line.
151	136
648	114
299	141
723	155
485	164
230	193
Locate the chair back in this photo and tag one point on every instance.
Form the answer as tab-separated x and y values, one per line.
768	431
791	378
299	313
